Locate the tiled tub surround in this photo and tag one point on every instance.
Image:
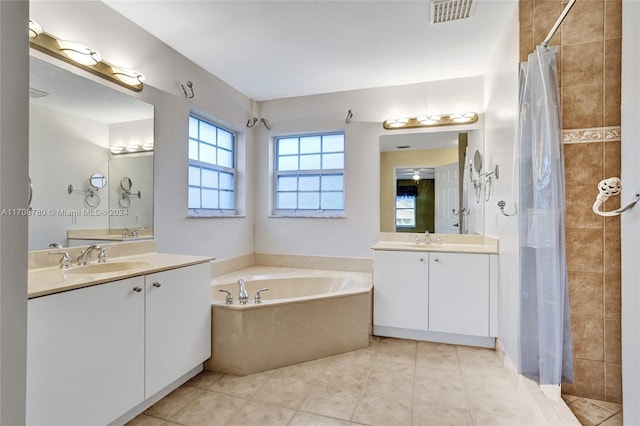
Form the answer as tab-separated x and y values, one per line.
306	314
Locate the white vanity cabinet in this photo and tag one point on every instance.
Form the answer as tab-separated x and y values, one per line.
441	296
459	293
178	323
400	291
85	354
95	353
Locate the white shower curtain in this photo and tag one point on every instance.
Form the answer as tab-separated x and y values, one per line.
545	330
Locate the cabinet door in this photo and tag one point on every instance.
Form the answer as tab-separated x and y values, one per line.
400	291
459	293
178	323
85	354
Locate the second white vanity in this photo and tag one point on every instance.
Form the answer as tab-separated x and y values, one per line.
436	292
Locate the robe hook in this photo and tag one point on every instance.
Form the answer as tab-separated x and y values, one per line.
190	86
252	122
349	117
266	123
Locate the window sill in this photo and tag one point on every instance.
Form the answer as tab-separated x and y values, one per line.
215	216
307	216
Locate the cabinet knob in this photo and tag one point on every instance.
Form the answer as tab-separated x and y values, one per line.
436	260
422	259
157	284
137	289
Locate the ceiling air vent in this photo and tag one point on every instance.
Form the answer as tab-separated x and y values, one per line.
450	10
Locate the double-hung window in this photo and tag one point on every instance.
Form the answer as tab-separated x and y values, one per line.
211	169
406	211
309	175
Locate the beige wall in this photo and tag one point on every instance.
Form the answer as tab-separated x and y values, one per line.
589	68
390	160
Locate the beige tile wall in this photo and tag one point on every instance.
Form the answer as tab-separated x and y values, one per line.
589	71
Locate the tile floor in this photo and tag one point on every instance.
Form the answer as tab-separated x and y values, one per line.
393	382
591	412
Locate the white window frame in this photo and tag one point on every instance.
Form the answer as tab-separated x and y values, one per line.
308	213
214	212
407	209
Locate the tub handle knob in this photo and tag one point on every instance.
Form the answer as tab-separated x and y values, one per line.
229	298
258	298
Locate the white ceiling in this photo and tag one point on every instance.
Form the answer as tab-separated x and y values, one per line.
278	49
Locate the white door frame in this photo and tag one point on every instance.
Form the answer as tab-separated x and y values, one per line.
630	221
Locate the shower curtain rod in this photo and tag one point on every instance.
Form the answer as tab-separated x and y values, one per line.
555	27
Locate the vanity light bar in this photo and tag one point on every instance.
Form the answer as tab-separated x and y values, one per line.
430	120
83	57
130	149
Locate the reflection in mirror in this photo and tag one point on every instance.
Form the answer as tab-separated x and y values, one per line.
134	171
97	180
73	123
424	182
125	183
477	161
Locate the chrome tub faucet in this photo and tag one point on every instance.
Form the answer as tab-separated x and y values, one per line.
243	296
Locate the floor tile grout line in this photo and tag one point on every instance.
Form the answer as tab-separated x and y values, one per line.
465	387
364	385
200	392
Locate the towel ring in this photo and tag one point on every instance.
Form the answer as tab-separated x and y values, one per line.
502	204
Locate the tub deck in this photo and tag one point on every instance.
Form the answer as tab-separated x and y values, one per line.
284	331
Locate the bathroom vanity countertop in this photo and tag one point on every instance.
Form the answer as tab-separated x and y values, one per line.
51	280
452	243
108	234
452	248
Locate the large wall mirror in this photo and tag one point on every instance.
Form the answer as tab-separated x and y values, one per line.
426	182
78	183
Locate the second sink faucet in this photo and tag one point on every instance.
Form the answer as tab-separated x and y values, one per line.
427	237
85	255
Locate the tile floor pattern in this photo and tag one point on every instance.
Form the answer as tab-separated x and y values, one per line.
591	412
393	382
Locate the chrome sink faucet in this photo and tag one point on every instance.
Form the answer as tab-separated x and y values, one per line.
243	296
85	255
65	260
427	237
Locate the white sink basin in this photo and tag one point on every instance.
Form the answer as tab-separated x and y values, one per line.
103	268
